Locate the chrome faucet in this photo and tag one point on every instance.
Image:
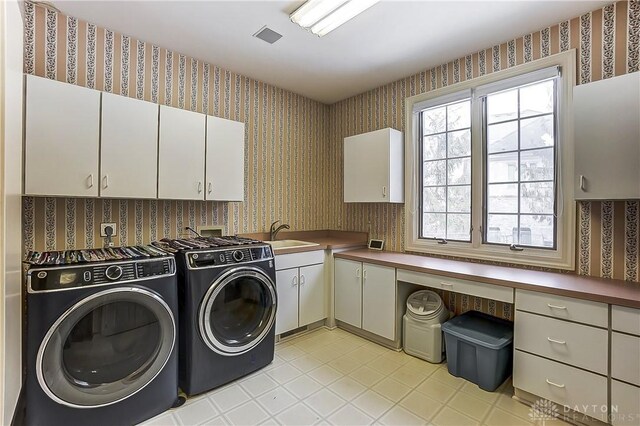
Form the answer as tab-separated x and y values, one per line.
273	231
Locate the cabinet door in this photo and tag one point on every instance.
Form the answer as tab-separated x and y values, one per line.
366	167
225	159
287	312
129	148
624	403
181	154
379	300
312	294
607	138
348	292
62	134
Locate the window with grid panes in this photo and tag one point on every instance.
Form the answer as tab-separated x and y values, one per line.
520	163
446	172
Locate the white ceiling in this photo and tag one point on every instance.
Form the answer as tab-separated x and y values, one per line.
391	40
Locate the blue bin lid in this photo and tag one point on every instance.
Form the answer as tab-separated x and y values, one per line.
480	329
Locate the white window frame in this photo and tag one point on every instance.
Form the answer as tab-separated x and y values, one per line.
563	256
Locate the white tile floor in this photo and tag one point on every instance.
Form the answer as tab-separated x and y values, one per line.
331	377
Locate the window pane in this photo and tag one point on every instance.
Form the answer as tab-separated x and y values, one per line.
503	198
536	230
459	199
502	106
536	99
500	228
536	132
434	225
434	120
434	199
458	226
536	197
460	143
502	137
435	147
435	173
459	171
536	164
502	167
459	115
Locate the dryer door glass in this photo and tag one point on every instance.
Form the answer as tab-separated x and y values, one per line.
106	348
238	311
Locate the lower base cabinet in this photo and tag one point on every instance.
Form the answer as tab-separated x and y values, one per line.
625	404
365	297
301	297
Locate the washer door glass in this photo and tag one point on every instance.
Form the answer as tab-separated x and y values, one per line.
106	347
238	311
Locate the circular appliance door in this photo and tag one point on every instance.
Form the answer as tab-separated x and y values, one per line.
106	347
238	311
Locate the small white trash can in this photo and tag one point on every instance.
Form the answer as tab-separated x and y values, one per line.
422	333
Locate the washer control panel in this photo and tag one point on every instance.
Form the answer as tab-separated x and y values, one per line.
228	256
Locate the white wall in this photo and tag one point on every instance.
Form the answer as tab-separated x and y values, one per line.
10	228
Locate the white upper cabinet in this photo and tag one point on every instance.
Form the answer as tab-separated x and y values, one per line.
225	160
129	148
181	154
373	167
62	137
607	139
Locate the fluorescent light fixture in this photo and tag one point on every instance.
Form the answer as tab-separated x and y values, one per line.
324	16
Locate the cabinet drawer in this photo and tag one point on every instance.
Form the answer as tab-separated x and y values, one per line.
580	345
567	308
625	358
487	291
625	319
624	404
295	260
577	389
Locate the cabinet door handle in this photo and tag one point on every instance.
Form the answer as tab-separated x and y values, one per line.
556	306
199	187
105	181
384	191
555	384
90	180
560	342
364	274
295	281
209	188
357	272
582	183
302	279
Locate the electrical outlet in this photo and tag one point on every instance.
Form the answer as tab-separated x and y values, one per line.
103	229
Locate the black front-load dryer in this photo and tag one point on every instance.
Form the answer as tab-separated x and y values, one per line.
227	314
101	342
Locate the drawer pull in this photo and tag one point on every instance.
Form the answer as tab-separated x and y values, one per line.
560	342
445	284
555	384
556	306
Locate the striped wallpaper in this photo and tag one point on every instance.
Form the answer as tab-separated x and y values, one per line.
286	155
608	44
294	145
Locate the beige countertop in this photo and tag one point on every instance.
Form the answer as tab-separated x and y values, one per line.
615	292
326	240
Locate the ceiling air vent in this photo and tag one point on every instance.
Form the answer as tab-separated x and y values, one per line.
267	35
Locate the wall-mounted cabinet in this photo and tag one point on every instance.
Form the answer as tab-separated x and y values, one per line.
62	137
225	159
181	154
128	148
607	139
81	142
374	167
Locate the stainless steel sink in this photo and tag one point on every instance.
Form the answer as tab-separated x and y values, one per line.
285	244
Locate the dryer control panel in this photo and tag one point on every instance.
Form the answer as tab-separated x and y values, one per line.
73	276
